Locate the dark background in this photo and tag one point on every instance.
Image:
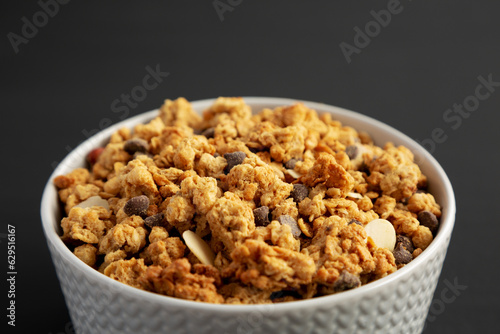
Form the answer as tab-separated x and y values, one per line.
61	83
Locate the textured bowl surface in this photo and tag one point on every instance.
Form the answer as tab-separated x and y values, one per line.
398	303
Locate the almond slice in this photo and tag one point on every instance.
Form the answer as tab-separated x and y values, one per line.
382	233
93	201
199	247
354	195
305	228
293	173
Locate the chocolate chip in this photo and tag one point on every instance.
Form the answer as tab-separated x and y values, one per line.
352	151
346	281
428	219
288	220
257	149
401	255
355	221
137	206
290	164
209	133
234	159
261	216
155	220
276	295
136	145
299	192
216	155
405	242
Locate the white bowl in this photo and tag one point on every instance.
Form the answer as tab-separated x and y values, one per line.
397	303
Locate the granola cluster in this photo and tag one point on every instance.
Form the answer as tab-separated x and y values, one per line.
278	203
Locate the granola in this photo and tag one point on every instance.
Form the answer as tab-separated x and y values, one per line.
279	199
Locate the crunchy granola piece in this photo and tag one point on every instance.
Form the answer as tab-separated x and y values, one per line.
232	110
158	233
236	293
269	267
422	237
360	185
277	235
231	220
364	204
163	252
164	176
179	113
286	207
133	180
202	191
120	135
338	134
404	221
113	153
384	206
177	281
124	237
395	172
296	114
339	246
417	252
327	171
283	143
75	195
75	177
190	150
87	253
127	271
87	225
423	201
385	263
149	130
210	166
259	184
179	213
170	137
347	209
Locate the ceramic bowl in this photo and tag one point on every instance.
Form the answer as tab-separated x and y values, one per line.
398	303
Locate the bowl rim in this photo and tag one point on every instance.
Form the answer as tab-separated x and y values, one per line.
50	199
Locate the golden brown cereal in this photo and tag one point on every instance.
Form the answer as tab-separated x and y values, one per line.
282	200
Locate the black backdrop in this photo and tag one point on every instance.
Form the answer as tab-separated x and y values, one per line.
65	74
